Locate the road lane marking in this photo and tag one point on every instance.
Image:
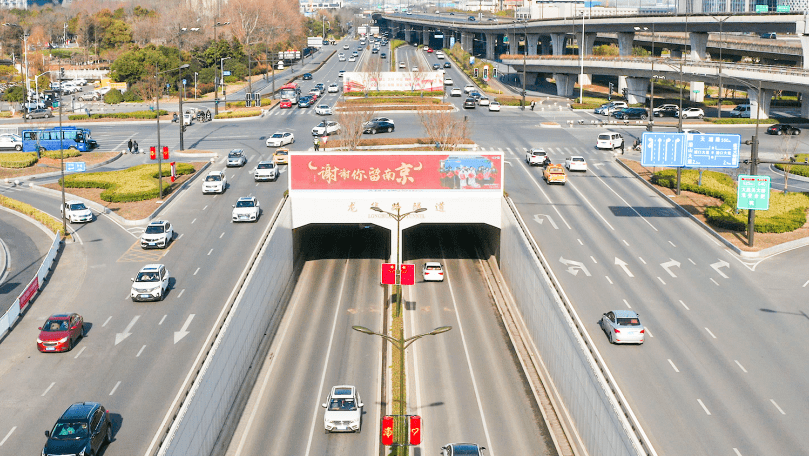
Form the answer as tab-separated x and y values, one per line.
625	202
692	261
627	304
206	207
707	412
709	332
672	244
161	320
721	264
192	221
539	220
582	243
642	260
119	337
195	272
779	408
574	267
594	208
623	265
674	367
115	388
648	331
8	435
740	366
107	320
807	283
661	280
180	236
594	260
625	243
179	335
80	352
714	281
670	264
181	293
686	307
737	452
220	236
542	190
47	389
209	252
608	280
140	351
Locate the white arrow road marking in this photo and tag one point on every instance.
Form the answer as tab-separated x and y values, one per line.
121	336
178	335
721	264
669	264
622	264
538	219
573	267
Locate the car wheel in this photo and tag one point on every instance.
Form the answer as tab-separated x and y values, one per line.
390	129
373	131
18	147
108	437
780	133
70	344
41	149
643	117
796	132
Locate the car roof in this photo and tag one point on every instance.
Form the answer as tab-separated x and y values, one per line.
237	151
151	267
432	263
266	162
625	313
80	410
538	149
247	198
216	172
158	222
343	391
59	316
573	157
73	202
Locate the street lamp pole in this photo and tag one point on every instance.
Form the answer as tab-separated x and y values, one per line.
216	80
525	51
751	213
62	164
159	151
582	47
650	125
222	72
721	43
182	82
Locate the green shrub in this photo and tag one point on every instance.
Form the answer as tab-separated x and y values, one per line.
798	169
119	115
17	159
787	212
114	96
237	114
56	154
133	184
396	43
131	96
728	120
42	217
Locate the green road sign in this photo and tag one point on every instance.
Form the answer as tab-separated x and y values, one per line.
753	192
762	8
782	8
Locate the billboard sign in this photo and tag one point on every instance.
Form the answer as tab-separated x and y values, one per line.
426	81
712	150
753	192
385	171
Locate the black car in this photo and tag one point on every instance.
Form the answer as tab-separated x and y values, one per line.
471	18
377	126
631	113
83	429
469	103
383	56
447	65
436	66
305	102
307	76
375	51
41	113
783	129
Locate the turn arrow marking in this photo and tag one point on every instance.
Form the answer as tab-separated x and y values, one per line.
721	264
121	336
622	264
573	267
178	335
538	219
669	264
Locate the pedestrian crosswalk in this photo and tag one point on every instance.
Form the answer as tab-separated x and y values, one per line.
555	152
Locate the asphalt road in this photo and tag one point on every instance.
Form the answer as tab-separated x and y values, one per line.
26	247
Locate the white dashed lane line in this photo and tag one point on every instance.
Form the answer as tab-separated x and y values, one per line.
686	307
709	332
8	435
627	304
195	272
707	412
740	366
162	319
47	389
779	408
106	321
115	388
140	351
80	352
673	366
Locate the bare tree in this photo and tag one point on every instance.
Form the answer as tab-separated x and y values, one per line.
443	128
786	149
352	120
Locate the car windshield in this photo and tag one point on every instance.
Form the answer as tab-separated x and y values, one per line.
278	135
266	166
629	322
151	276
459	450
70	431
342	405
77	207
213	178
245	203
55	325
578	159
234	155
281	153
604	137
155	229
433	268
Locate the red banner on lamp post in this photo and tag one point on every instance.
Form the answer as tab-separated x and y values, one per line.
387	431
415	430
388	274
173	171
408	276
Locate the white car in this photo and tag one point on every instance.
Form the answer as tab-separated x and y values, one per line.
341	57
439	55
324	110
469	88
345	46
280	138
456	92
343	410
432	272
576	163
10	141
689	113
334	88
326	128
187	119
158	234
215	182
265	171
537	157
622	327
402	65
236	157
414	69
494	106
484	101
448	81
150	284
352	59
246	209
609	141
75	211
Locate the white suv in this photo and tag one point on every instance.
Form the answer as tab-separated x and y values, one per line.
343	410
76	211
265	170
215	182
609	141
150	284
246	209
537	156
158	233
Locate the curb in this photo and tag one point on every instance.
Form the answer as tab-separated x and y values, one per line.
59	173
3	261
742	253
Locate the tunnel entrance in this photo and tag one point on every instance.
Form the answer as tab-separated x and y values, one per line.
336	241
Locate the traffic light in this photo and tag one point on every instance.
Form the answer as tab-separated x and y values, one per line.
408	276
153	153
415	429
609	94
624	92
387	430
388	274
611	86
165	152
61	73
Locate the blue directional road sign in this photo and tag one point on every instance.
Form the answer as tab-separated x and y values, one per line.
75	167
663	149
712	150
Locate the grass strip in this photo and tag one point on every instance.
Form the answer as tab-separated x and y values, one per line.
137	183
41	217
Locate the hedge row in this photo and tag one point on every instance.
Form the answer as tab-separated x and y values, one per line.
17	159
734	120
41	217
57	154
787	211
390	100
396	93
133	184
237	114
119	115
800	170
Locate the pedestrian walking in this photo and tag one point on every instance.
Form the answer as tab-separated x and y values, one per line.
317	143
129	144
533	103
135	147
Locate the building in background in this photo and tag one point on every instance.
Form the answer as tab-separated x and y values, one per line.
11	4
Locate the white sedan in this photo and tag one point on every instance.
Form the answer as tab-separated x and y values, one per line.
484	101
468	88
689	113
326	128
494	106
402	65
456	92
432	272
622	327
246	209
333	88
576	163
448	81
352	59
280	138
323	110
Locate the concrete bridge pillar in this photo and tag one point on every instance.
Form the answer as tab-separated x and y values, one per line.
699	42
466	42
625	42
697	92
490	38
763	104
805	105
676	53
636	90
805	47
513	44
425	36
546	45
531	40
586	48
407	31
565	83
558	41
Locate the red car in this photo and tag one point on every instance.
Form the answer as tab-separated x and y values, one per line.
285	103
60	332
429	50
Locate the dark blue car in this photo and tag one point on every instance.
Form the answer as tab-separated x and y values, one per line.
83	429
305	102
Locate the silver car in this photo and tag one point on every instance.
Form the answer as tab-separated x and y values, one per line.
623	327
236	157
